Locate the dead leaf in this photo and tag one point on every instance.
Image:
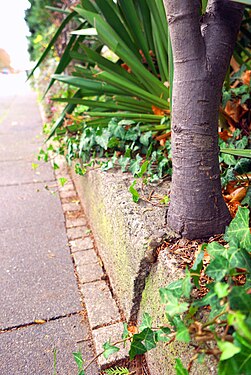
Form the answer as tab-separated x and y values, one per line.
133	330
234	64
160	112
246	76
238	194
126	67
224	135
39	321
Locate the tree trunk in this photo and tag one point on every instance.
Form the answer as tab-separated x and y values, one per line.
202	48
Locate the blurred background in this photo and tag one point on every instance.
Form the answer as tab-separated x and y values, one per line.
13	36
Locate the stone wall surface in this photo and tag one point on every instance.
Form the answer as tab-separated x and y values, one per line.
123	230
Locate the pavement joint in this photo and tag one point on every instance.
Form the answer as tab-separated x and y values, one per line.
27	183
40	300
98	326
38	322
98	298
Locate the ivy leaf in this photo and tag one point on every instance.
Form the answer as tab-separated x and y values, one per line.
135	165
125	333
78	359
229	159
247	199
182	331
117	130
149	339
55	166
239	258
215	249
243	165
228	349
187	285
143	168
242	143
208	299
197	267
123	162
132	134
221	289
109	349
136	348
174	288
239	299
180	369
239	229
162	334
145	138
175	307
218	268
239	322
103	139
146	322
134	192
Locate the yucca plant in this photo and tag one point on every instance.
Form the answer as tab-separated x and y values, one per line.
135	82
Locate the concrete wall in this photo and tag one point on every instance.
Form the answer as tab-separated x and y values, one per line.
123	231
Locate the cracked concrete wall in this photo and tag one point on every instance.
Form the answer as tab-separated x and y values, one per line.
121	227
122	230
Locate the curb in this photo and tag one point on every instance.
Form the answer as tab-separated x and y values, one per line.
103	311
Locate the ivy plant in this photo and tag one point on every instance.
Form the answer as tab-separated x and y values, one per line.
219	323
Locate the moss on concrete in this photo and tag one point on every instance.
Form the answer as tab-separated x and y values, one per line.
121	230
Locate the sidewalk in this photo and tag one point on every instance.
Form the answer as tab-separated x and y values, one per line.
36	275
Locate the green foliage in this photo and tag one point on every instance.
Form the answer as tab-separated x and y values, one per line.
122	60
117	371
109	349
235	157
222	316
80	362
39	21
180	369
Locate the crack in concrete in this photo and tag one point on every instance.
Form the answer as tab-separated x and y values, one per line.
26	325
27	183
106	324
145	267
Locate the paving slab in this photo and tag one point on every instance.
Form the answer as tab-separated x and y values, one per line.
36	276
79	244
21	172
72	221
30	350
86	257
111	333
89	272
77	232
19	147
29	206
100	305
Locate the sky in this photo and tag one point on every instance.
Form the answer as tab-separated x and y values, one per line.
13	32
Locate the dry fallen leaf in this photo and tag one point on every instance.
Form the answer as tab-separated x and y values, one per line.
133	330
238	194
39	321
246	76
225	135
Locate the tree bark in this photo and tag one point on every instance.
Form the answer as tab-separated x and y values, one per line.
202	48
